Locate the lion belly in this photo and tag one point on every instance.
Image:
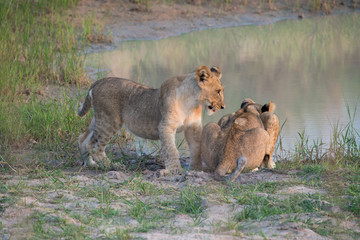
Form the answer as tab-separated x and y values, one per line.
144	130
143	122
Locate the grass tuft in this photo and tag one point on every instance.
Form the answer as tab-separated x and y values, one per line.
354	198
191	203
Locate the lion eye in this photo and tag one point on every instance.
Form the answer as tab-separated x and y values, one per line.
219	92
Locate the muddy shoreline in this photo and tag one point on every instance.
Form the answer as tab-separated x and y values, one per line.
125	21
155	30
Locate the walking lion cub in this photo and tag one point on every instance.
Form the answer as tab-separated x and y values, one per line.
151	113
241	140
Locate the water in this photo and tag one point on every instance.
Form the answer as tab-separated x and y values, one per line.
310	68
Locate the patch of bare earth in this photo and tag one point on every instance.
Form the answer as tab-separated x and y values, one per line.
115	204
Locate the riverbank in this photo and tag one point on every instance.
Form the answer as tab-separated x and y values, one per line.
151	20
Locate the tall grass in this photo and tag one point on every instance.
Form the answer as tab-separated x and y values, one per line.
94	32
343	150
37	46
51	125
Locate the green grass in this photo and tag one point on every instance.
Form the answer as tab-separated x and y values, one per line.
343	151
354	198
142	187
101	192
138	209
244	192
44	227
94	32
335	167
259	207
105	212
121	234
190	202
38	46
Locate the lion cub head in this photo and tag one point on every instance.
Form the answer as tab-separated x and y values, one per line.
212	91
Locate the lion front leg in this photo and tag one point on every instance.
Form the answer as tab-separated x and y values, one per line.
169	153
193	138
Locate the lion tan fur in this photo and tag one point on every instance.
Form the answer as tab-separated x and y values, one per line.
241	140
151	113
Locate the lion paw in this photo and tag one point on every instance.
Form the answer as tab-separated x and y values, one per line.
88	161
272	165
197	167
173	175
170	172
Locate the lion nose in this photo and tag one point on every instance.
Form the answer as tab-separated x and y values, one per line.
222	106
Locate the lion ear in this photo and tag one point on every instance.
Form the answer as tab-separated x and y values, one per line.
216	71
246	101
202	74
269	107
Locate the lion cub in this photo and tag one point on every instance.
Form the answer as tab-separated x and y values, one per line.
242	140
151	113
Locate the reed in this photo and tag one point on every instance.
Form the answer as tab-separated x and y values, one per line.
342	152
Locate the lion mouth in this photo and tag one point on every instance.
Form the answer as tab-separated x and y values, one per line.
214	109
211	110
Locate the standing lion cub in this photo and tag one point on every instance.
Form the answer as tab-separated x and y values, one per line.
151	113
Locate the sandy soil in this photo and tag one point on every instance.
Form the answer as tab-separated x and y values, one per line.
101	205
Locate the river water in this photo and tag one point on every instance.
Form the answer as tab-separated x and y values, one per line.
310	68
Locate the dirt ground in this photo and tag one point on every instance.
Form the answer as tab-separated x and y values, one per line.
124	204
98	205
81	203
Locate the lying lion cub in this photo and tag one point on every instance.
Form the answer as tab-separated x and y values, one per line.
241	141
151	113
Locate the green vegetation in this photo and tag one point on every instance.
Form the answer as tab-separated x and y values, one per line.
259	207
43	223
354	195
190	202
38	46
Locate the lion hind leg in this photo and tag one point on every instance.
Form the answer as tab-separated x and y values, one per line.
85	145
100	139
241	162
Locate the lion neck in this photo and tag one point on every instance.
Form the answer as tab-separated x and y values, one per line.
188	93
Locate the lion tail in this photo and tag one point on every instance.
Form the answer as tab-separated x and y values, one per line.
241	164
85	107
